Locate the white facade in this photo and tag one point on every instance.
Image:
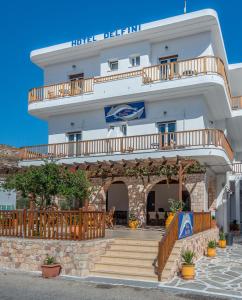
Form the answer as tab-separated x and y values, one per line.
194	100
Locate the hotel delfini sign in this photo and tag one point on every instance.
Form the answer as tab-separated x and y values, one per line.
106	35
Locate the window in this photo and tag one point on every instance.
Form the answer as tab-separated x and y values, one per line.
113	65
167	129
74	136
124	129
166	66
135	61
74	148
76	83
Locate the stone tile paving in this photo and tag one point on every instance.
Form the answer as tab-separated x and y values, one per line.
221	275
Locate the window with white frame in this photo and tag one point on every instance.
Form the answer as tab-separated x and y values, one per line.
135	61
74	136
167	130
113	65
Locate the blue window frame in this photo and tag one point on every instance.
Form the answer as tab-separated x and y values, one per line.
168	130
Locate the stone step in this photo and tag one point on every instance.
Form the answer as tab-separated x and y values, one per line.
134	242
132	254
134	248
127	261
124	268
125	275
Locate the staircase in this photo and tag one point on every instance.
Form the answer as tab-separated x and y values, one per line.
128	259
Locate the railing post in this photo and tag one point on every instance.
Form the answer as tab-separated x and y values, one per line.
80	223
24	223
205	65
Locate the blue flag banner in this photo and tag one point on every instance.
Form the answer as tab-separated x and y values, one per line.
185	224
125	112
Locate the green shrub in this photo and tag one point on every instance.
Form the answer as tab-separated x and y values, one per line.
50	260
175	205
222	236
187	257
212	244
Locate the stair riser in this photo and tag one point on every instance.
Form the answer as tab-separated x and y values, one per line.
117	276
127	261
124	269
134	255
148	249
136	243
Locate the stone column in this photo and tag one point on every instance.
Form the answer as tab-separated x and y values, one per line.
237	200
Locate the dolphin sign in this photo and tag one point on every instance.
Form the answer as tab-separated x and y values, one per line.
125	112
185	225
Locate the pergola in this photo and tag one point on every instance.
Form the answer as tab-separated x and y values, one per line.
110	168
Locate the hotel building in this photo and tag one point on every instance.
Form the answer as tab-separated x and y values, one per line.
140	96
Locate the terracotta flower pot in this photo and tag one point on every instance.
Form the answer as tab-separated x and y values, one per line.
211	252
49	271
169	219
222	243
188	272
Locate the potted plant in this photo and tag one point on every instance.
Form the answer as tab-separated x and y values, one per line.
175	206
133	222
222	240
188	267
235	228
211	251
50	268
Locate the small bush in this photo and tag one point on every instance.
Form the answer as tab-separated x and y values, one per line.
187	257
222	236
50	260
212	244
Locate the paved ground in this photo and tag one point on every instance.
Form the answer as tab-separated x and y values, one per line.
22	286
220	275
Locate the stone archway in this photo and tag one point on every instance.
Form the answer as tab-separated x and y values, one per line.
117	196
157	195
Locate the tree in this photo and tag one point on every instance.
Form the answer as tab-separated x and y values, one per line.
49	181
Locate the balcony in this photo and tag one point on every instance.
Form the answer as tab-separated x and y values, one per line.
151	143
158	73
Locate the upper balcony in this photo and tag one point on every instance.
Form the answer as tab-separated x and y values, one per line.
148	77
209	146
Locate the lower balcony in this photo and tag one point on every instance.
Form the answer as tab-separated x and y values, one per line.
132	146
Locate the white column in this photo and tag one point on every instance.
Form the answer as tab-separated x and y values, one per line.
237	200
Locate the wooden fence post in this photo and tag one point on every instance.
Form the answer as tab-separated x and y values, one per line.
80	223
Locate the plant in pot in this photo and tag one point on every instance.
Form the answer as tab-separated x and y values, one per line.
235	228
188	267
50	268
175	206
211	251
133	222
222	240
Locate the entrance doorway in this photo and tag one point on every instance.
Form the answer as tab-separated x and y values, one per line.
117	196
157	201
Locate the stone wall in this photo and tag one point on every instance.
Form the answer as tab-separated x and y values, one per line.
138	189
197	243
76	258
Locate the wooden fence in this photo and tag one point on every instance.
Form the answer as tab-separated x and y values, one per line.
202	222
129	144
59	225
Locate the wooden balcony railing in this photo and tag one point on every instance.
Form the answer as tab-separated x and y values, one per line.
130	144
170	71
201	222
61	90
43	224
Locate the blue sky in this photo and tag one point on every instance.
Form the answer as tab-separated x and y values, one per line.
26	25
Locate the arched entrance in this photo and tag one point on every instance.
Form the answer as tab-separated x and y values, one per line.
117	196
157	201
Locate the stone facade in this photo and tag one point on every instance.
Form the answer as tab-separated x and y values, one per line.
196	243
76	258
138	189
